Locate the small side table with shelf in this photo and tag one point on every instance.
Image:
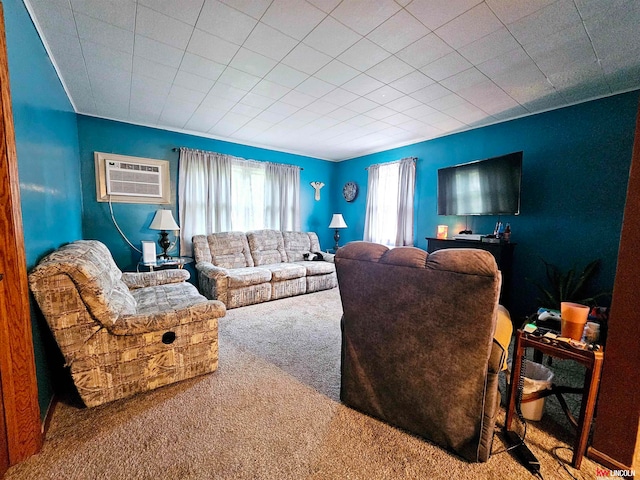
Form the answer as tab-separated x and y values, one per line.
164	263
591	360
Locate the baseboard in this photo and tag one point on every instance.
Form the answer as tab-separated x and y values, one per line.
607	461
50	409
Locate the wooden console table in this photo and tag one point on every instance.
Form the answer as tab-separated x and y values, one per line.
591	360
502	252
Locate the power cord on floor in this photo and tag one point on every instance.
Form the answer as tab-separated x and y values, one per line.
526	458
563	463
512	447
521	418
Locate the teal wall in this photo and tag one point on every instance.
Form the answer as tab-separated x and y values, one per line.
48	163
97	135
575	170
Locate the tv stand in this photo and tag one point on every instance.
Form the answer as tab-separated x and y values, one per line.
502	252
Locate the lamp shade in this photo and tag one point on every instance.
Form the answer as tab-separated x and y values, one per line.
337	221
164	221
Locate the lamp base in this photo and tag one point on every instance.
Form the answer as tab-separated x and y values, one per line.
164	244
336	238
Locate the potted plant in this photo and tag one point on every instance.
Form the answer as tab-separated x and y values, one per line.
569	286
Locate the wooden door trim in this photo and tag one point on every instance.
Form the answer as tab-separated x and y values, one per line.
616	434
19	385
4	447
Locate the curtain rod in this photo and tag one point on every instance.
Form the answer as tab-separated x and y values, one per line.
177	149
395	161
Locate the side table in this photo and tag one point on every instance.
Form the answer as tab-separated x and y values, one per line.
161	263
591	360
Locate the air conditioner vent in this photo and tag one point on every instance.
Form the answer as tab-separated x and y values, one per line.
124	179
133	179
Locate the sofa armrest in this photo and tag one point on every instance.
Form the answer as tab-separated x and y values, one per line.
165	320
210	270
135	280
212	281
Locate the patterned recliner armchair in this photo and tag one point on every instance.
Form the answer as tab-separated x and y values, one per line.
124	333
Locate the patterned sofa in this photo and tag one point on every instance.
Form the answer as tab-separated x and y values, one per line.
124	333
241	268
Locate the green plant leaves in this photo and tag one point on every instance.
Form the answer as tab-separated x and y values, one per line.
568	286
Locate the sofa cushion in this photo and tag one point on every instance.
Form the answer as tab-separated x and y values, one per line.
266	246
285	271
296	244
229	250
318	268
164	298
166	306
244	277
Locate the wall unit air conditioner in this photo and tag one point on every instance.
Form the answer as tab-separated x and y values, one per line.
124	179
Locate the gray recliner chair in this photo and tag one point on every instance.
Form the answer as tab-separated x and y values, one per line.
418	346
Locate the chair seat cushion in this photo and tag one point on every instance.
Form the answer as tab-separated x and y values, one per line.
245	277
164	298
318	268
285	271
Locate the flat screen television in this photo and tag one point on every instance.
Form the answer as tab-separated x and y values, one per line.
484	187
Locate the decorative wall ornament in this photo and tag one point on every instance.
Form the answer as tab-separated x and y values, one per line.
317	186
350	191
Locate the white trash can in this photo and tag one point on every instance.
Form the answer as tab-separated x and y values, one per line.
537	377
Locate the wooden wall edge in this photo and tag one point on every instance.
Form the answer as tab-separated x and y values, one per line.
606	460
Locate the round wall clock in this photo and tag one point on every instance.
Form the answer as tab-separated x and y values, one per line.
350	191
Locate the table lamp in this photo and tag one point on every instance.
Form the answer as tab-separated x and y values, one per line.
164	221
337	222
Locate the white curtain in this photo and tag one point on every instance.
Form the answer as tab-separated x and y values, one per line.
204	191
247	196
406	190
282	197
220	193
389	211
371	225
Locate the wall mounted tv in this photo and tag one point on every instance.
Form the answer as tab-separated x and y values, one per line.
484	187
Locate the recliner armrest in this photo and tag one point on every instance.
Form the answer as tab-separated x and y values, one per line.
135	280
501	340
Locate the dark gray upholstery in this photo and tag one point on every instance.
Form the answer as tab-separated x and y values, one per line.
417	339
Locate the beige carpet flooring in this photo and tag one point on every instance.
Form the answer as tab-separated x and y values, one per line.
271	411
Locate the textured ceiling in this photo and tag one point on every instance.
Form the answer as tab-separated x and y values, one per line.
336	79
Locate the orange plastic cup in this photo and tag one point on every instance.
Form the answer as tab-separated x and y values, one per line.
573	319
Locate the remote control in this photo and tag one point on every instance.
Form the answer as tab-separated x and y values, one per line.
527	459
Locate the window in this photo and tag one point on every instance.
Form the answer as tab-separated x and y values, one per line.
221	193
389	215
247	196
385	226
